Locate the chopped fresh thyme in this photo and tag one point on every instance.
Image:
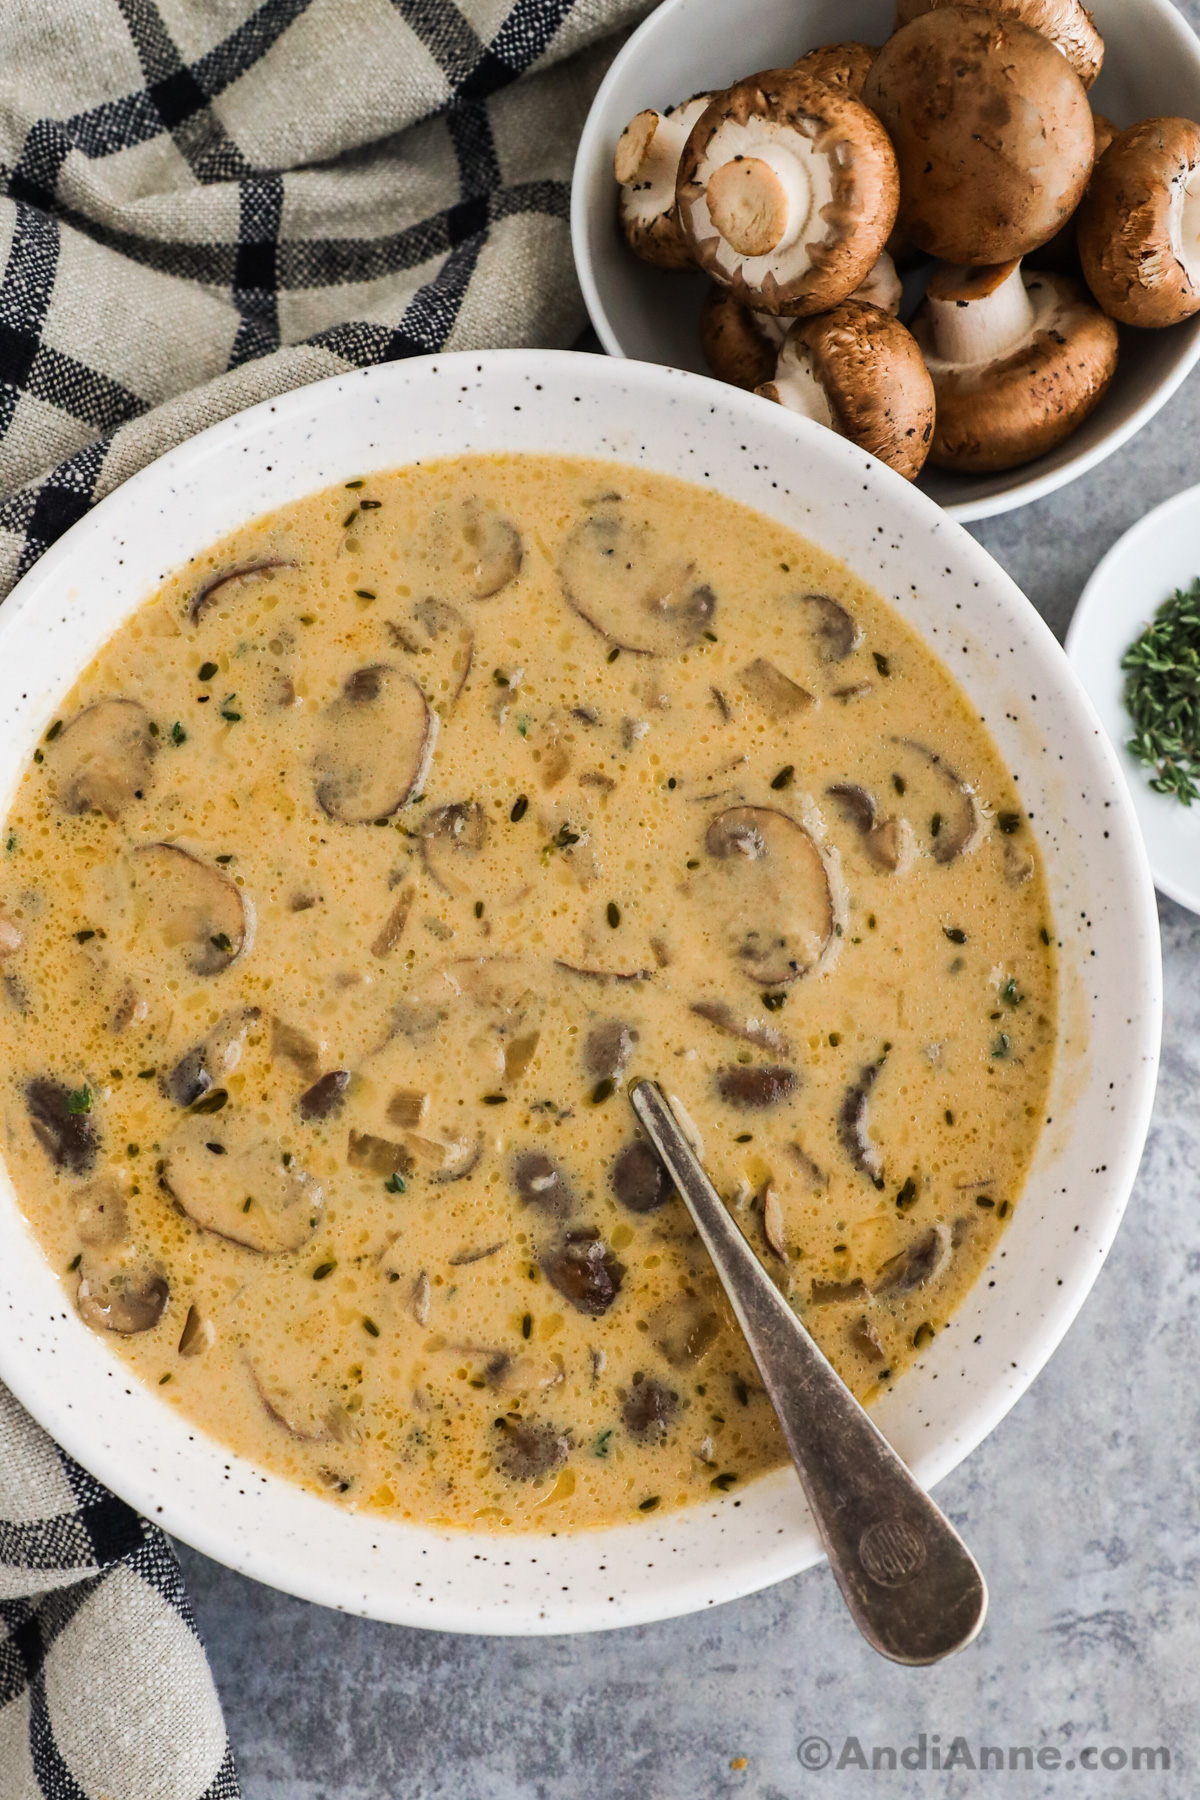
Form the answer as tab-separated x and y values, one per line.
1162	695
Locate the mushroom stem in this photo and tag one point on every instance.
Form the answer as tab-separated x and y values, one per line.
1185	225
796	385
636	154
760	203
648	151
645	163
978	315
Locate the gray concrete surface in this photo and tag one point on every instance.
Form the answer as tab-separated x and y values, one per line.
1082	1508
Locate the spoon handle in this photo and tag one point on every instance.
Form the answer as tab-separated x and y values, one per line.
913	1588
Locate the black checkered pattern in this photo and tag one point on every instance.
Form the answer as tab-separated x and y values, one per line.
98	1645
223	217
220	215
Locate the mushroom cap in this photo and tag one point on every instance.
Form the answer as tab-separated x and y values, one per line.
1067	24
1140	259
1001	414
739	346
1061	252
992	131
103	759
645	163
848	190
874	377
842	66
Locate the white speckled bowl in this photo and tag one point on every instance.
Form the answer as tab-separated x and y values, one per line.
1151	67
997	646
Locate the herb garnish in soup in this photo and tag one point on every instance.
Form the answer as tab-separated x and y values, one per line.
368	863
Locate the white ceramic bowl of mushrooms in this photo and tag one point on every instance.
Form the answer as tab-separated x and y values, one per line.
909	221
973	616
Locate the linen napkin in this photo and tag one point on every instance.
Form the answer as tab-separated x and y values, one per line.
204	203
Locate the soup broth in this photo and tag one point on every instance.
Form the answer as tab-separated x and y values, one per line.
369	863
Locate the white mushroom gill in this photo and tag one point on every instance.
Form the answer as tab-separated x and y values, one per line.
976	321
1185	224
882	287
796	385
764	188
647	157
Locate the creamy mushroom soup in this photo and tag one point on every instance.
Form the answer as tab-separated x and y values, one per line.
374	857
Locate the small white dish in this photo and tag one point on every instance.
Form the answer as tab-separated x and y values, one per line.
1102	907
1157	555
1151	68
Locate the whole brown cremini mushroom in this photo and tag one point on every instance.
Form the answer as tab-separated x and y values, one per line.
742	347
1018	360
858	370
992	131
839	65
1066	23
1138	229
645	164
787	190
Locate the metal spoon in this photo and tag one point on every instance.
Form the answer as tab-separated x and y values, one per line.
913	1588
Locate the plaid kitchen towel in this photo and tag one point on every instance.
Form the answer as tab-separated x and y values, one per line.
204	203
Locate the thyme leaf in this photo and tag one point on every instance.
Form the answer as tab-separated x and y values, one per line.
1162	695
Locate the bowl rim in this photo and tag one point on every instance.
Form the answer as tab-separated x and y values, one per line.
29	1367
1023	493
